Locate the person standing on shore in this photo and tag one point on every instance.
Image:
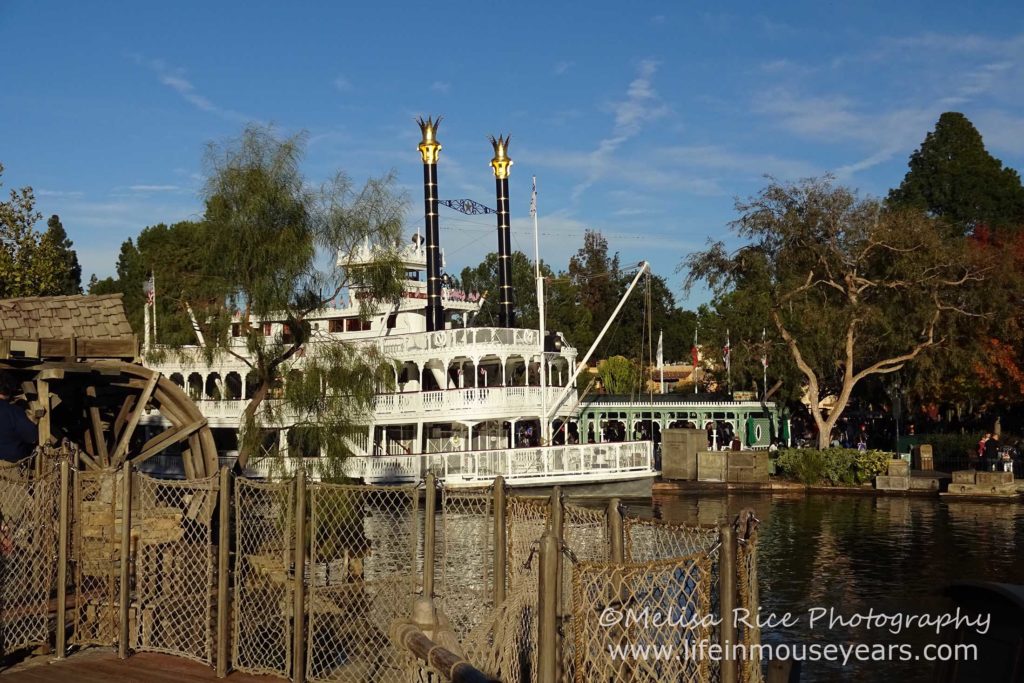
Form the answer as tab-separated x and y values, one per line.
992	451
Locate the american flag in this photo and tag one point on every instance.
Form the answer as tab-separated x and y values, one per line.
533	199
150	289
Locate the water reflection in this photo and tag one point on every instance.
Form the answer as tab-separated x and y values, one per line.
856	553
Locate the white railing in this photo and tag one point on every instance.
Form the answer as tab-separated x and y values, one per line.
539	466
503	400
481	338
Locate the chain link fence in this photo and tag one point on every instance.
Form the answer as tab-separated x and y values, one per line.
29	508
360	559
361	577
96	556
175	567
466	557
264	582
641	650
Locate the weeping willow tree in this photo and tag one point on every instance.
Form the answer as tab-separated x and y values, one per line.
278	250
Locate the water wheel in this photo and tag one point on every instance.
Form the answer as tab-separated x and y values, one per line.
98	405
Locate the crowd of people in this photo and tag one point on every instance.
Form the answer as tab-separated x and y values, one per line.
997	456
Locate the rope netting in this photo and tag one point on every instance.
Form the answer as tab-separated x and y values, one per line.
610	650
504	644
585	533
29	515
96	554
264	583
175	572
362	577
648	540
526	519
465	540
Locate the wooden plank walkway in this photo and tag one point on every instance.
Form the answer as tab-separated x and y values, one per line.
101	665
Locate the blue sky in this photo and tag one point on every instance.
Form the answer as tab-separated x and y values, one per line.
643	120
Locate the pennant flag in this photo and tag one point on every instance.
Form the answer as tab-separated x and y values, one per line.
150	290
727	352
764	348
661	357
533	199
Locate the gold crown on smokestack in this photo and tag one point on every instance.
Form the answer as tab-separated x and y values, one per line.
501	163
429	147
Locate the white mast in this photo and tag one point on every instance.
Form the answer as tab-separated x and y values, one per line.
545	425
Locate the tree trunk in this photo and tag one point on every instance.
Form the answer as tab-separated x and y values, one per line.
248	415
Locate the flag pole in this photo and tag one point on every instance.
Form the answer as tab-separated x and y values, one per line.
661	359
764	362
545	430
728	362
696	355
152	281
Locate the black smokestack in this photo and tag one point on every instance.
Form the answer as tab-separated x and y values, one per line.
430	149
502	165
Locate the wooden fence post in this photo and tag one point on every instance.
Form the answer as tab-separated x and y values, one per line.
547	609
727	593
62	558
126	544
500	540
223	569
429	542
615	531
299	608
558	529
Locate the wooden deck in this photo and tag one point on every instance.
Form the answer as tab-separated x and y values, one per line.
101	665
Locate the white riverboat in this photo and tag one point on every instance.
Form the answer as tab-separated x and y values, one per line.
468	402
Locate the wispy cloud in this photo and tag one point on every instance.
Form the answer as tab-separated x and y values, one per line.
175	79
442	87
641	105
154	188
342	84
71	194
562	67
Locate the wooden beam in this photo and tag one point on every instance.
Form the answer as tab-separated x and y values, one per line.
98	433
122	417
118	456
43	391
168	437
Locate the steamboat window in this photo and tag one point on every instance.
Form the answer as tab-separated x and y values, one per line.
268	329
337	325
236	329
392	321
356	325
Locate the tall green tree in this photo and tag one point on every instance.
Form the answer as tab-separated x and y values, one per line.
34	263
952	176
853	290
619	376
596	277
484	278
62	271
264	230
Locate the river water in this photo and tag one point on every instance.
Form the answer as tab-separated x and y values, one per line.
856	553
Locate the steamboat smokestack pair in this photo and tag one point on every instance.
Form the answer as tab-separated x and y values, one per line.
430	149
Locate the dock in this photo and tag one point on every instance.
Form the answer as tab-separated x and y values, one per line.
100	665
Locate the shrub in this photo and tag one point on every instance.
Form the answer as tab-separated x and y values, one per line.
833	466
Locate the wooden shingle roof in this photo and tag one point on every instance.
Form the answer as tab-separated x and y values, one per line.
64	317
